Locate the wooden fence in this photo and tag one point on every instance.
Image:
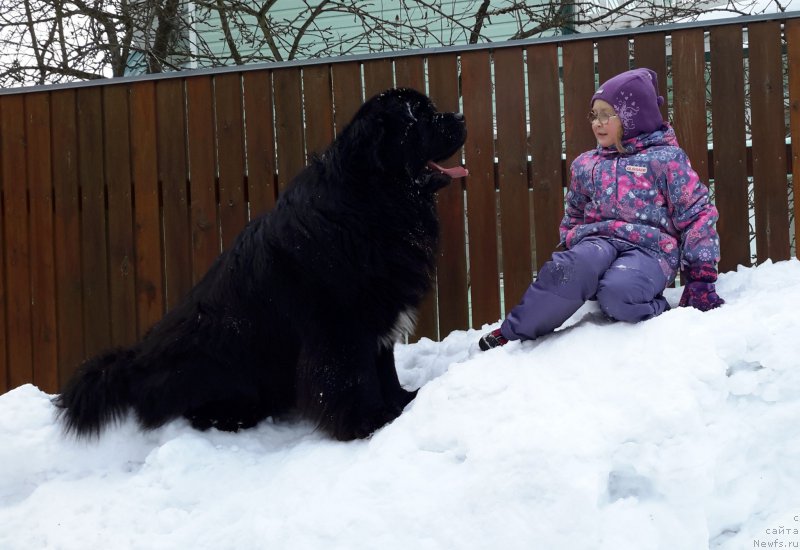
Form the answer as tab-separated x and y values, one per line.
116	196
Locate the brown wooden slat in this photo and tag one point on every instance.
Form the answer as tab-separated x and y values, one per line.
94	243
377	77
17	239
230	141
67	233
43	275
545	116
260	132
769	173
319	108
650	52
3	344
689	97
288	124
513	178
792	32
730	154
347	96
206	245
481	195
613	56
150	295
172	175
579	87
409	72
452	262
121	255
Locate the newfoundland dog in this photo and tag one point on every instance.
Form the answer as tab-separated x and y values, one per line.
301	313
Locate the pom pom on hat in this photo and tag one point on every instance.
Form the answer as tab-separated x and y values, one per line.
634	96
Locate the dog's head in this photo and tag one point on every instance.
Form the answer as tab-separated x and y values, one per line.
405	133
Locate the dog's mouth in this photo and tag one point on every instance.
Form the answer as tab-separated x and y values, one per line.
454	172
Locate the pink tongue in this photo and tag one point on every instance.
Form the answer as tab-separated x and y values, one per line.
454	172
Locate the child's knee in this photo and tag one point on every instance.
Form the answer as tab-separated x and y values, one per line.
580	267
628	295
614	305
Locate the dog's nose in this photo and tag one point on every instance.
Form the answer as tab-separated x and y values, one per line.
459	116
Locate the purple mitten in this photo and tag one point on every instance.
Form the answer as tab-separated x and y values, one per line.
700	295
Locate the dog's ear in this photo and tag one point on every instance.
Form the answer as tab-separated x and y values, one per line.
367	134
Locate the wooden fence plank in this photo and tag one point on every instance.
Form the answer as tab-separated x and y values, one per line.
67	233
3	313
377	77
17	250
769	165
260	133
150	291
347	96
792	32
122	280
319	107
513	178
230	158
579	87
545	116
613	57
451	272
650	52
43	269
409	72
206	244
689	97
172	176
481	193
730	153
94	251
288	124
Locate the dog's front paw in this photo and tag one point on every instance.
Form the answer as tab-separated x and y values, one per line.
362	424
402	398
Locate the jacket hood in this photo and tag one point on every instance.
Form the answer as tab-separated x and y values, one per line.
664	136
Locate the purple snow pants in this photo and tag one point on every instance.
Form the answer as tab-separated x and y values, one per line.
626	281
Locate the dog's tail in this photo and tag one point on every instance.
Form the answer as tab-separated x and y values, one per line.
97	394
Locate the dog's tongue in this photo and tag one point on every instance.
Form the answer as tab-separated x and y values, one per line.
454	172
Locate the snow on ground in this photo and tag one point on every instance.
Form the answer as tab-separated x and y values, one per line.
681	432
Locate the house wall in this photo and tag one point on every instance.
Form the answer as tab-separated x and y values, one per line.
499	28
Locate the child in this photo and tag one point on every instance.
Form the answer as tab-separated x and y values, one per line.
636	214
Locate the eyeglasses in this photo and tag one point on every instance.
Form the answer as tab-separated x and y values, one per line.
602	118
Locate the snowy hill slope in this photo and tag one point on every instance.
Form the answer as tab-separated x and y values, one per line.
682	432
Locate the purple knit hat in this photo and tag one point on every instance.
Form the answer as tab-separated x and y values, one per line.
634	96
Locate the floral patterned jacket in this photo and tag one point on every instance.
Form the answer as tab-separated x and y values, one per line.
648	196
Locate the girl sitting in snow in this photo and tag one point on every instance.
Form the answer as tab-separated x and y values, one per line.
636	214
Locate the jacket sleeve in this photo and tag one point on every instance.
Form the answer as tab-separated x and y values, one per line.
695	217
573	209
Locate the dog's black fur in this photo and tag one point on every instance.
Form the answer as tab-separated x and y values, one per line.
301	313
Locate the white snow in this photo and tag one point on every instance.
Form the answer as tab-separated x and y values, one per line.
678	433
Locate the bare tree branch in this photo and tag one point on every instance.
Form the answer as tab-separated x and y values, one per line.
50	41
480	19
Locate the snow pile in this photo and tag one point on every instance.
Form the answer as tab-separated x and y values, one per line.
682	432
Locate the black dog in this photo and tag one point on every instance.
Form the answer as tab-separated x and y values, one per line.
302	312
